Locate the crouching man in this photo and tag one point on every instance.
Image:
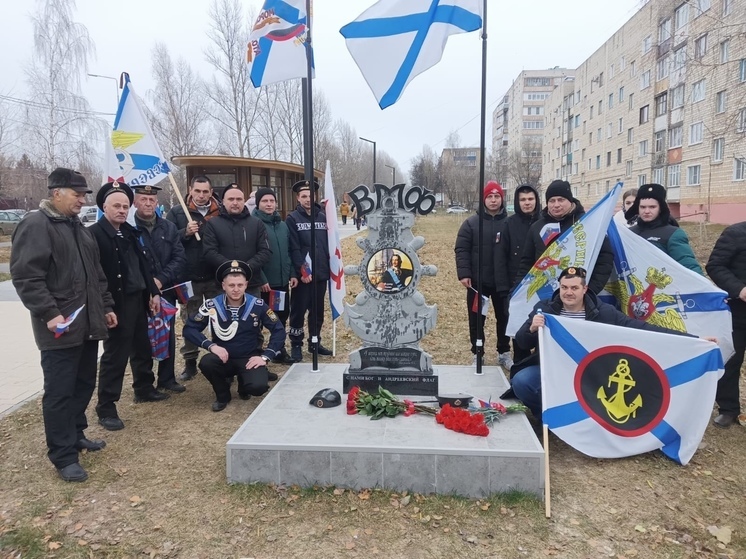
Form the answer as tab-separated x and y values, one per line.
236	321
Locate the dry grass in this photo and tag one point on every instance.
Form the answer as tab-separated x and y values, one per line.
158	489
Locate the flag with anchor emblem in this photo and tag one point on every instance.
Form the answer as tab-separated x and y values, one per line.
337	289
645	391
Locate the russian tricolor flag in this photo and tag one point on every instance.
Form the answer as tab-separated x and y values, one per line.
277	300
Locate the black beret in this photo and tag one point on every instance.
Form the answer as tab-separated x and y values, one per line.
67	178
111	188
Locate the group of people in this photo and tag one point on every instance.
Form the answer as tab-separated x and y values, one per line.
112	281
511	245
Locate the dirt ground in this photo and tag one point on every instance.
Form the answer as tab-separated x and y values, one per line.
159	490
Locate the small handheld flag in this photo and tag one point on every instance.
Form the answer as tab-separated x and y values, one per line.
485	304
159	331
62	327
277	300
184	291
306	269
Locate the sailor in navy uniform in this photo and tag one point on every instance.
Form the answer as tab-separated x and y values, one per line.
235	320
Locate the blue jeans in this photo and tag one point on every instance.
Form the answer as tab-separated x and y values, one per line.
527	387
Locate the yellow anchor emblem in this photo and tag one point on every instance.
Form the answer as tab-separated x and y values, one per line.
616	407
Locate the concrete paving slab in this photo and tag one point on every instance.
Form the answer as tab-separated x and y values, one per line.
20	368
288	441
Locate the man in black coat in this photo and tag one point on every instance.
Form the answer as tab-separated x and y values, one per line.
467	247
56	271
167	264
202	206
235	235
727	268
312	282
127	270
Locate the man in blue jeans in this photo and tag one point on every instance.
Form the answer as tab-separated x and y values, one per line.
571	300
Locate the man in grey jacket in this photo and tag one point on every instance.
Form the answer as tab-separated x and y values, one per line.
56	272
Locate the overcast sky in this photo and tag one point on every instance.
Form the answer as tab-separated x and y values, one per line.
528	34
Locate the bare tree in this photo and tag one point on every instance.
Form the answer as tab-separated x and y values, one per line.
523	166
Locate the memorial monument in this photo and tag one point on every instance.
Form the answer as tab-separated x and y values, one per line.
390	316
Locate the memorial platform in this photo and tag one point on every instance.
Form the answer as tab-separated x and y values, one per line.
288	441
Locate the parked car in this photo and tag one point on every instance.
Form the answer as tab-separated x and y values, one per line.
457	210
17	211
8	222
88	214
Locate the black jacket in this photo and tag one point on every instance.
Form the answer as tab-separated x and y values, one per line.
55	267
165	252
595	311
535	247
299	228
237	237
509	247
113	262
196	266
467	246
727	268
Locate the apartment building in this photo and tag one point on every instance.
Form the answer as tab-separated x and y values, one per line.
518	124
663	100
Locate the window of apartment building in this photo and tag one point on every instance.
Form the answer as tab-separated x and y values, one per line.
612	72
659	141
698	91
598	136
621	125
679	59
661	104
600	107
589	164
659	175
590	138
645	79
739	169
662	69
701	6
664	30
611	100
724	51
609	130
631	101
677	96
628	169
608	159
693	175
621	94
720	101
681	17
622	63
533	124
718	149
643	148
647	44
641	179
727	7
582	154
536	82
558	153
644	114
632	69
674	175
598	162
619	155
592	107
695	133
700	47
630	136
742	70
584	126
676	136
741	124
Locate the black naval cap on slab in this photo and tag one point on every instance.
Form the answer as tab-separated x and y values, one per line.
67	178
300	186
326	398
112	188
233	267
147	189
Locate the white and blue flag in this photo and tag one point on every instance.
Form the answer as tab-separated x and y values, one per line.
610	391
650	285
137	153
337	289
277	44
395	40
577	246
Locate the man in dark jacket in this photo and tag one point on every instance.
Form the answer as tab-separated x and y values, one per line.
573	299
727	268
312	282
467	247
56	272
167	264
202	207
562	212
654	225
235	235
127	270
279	271
509	247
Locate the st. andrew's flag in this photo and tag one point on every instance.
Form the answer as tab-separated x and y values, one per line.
577	246
611	391
277	44
140	159
395	40
337	287
650	285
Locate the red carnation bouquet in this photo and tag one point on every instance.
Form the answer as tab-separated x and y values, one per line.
462	421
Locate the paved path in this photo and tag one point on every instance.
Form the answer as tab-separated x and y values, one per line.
20	370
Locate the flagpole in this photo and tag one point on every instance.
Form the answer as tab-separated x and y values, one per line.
307	91
545	428
480	319
182	203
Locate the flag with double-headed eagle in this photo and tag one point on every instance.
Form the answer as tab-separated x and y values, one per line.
650	285
578	246
137	153
393	41
337	287
277	44
612	391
